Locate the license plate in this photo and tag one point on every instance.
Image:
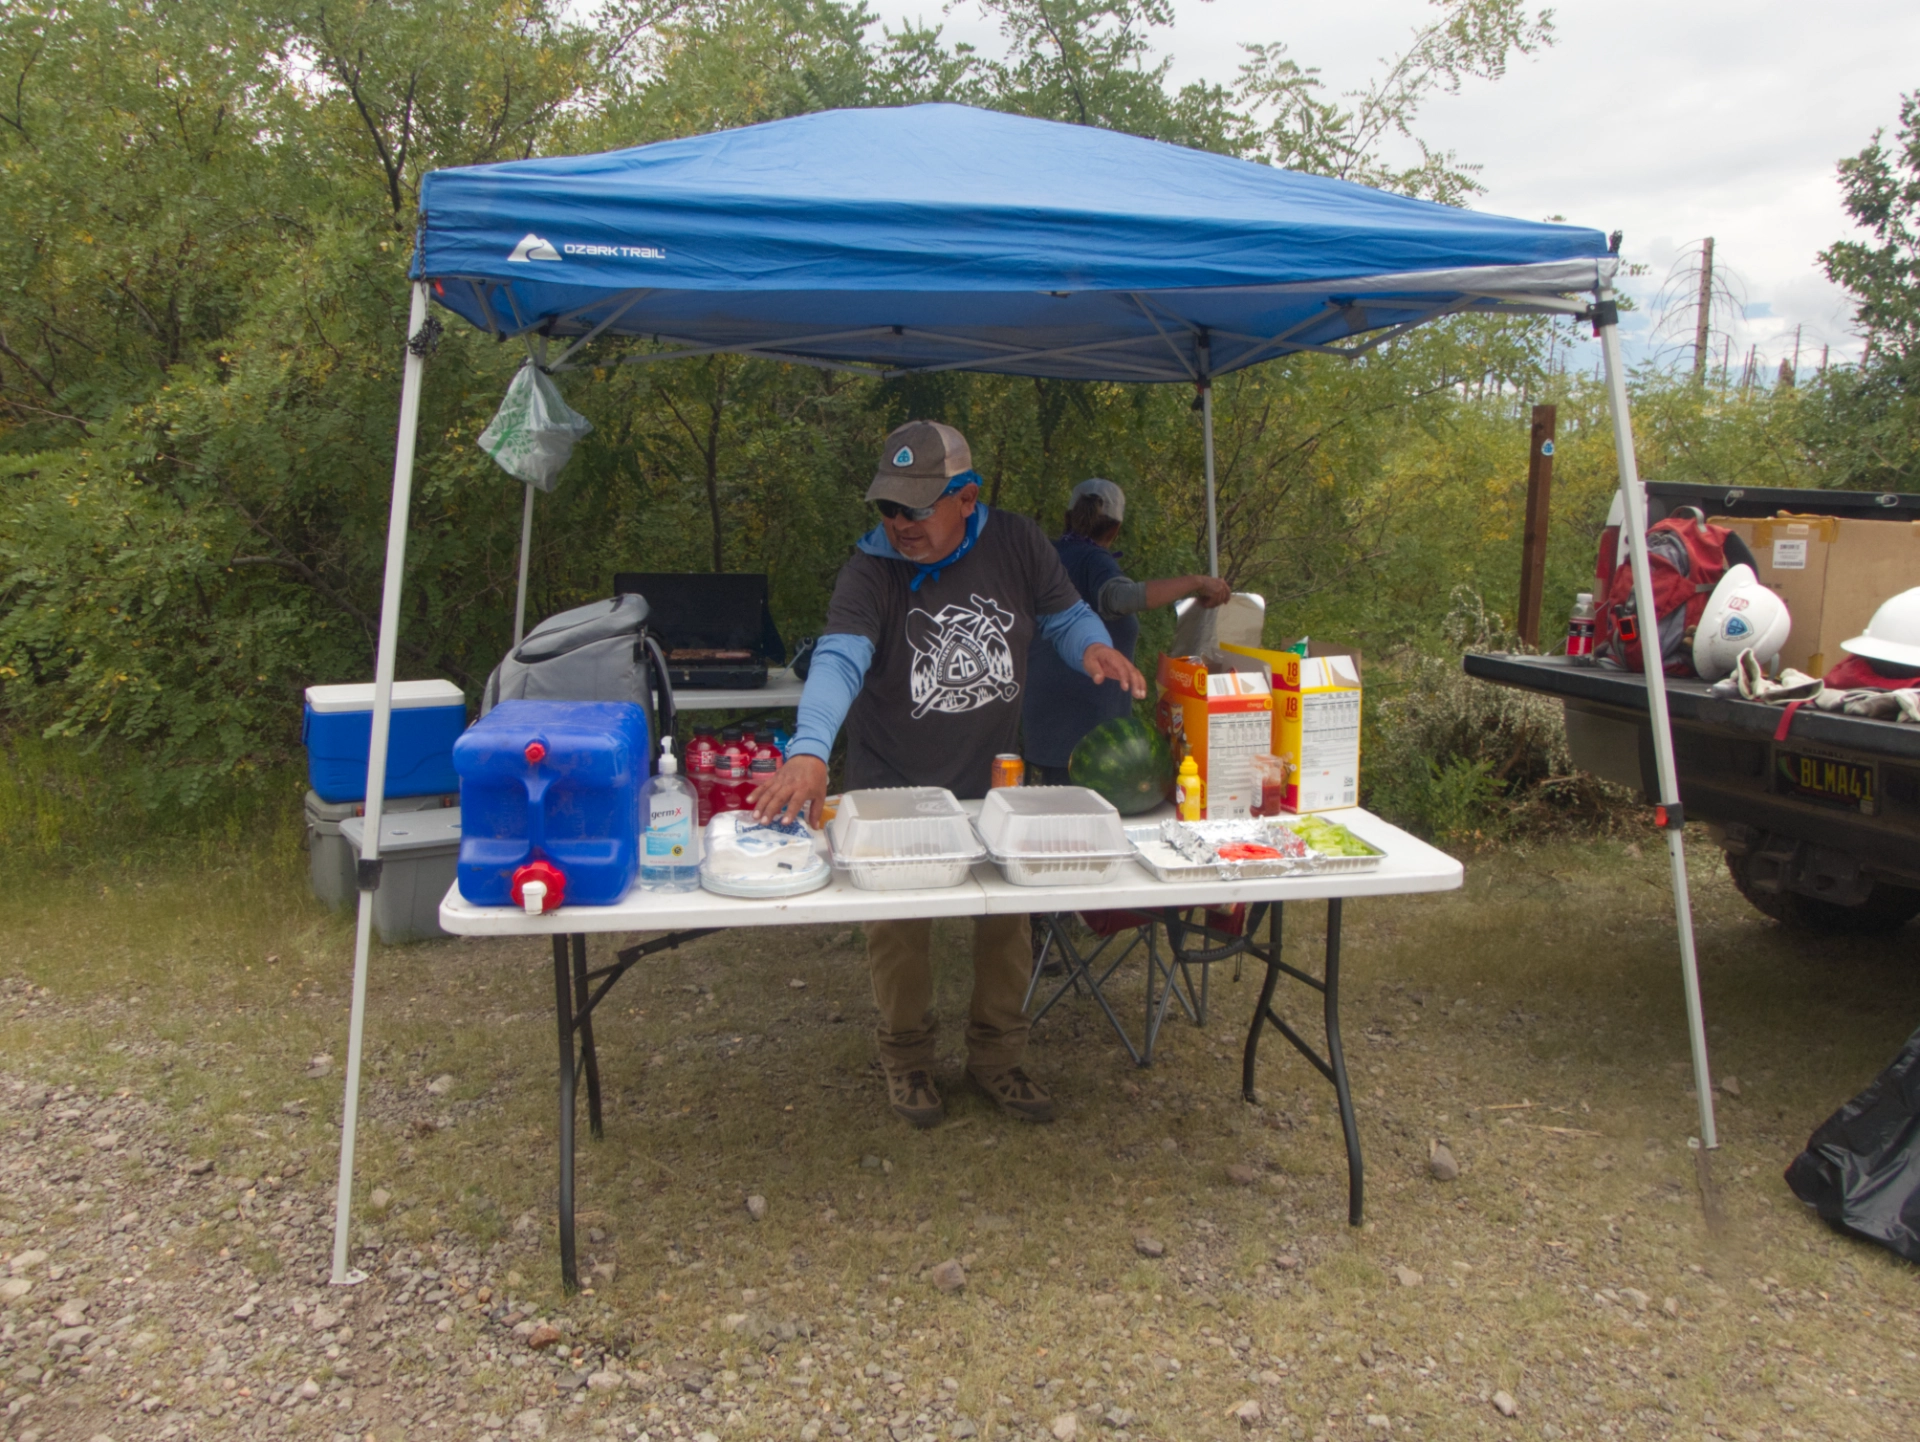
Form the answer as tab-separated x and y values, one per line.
1821	778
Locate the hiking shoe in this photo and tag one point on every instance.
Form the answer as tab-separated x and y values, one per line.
913	1096
1016	1092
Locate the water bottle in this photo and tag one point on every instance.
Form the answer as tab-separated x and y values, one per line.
1580	628
670	841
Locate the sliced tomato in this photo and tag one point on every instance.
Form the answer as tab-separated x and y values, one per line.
1247	851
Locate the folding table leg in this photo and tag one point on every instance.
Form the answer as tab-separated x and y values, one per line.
563	1013
1265	1005
1337	1064
582	1001
1333	1066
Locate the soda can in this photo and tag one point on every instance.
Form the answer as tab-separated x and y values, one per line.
1009	770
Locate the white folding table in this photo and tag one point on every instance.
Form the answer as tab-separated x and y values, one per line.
1410	866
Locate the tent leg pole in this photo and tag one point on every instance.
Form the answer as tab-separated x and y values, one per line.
526	548
1213	514
369	872
1634	503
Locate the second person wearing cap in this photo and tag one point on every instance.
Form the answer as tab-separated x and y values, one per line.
1062	705
924	659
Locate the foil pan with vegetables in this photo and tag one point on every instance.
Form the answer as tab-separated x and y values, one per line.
1250	849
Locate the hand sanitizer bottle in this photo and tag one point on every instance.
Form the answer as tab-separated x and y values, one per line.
670	834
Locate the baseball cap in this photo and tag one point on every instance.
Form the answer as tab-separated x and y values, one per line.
1112	499
917	461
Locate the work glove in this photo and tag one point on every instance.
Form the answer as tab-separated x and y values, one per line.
1750	682
1873	705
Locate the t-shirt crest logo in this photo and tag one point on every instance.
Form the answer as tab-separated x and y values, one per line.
903	457
961	659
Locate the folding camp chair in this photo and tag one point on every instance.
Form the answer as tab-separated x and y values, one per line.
1116	935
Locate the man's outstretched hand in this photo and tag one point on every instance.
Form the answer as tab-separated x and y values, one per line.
798	791
1103	663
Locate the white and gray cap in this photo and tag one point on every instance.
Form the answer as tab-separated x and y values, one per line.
1112	499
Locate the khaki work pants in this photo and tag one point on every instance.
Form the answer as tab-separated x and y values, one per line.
899	954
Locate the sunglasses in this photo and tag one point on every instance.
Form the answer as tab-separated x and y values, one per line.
894	511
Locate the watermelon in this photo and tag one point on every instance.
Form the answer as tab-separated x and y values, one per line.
1126	761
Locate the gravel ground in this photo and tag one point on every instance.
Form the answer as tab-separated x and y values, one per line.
771	1256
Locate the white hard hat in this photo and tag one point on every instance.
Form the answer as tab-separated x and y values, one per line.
1741	615
1112	499
1893	635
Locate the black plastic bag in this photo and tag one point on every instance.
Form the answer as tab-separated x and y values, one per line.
1861	1168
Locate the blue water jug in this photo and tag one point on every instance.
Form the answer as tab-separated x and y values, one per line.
550	803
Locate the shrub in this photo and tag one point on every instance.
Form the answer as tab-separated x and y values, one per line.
1456	758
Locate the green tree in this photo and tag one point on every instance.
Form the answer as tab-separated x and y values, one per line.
1866	420
211	207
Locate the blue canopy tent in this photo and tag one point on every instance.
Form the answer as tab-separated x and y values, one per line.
939	237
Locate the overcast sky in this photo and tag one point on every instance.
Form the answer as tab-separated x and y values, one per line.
1668	121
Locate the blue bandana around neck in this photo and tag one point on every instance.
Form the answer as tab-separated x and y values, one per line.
875	542
932	569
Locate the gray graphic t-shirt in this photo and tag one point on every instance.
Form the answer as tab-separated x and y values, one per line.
943	695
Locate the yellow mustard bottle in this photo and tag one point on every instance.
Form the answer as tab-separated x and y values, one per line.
1191	791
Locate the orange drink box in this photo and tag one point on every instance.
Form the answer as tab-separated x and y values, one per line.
1223	719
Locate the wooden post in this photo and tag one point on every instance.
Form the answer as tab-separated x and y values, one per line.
1533	546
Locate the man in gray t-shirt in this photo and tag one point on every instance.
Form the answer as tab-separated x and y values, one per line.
924	658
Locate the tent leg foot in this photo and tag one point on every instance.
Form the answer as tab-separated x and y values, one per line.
1709	1195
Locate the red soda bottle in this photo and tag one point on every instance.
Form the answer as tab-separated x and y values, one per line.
758	775
701	763
1580	629
702	744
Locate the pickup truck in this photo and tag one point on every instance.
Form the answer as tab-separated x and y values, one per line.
1822	829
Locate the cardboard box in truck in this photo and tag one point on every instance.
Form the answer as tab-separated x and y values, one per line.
1833	573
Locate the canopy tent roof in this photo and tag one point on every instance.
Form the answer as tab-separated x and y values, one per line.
937	237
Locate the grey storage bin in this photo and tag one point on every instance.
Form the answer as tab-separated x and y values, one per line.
329	859
420	851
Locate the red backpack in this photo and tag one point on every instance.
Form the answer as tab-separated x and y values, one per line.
1686	558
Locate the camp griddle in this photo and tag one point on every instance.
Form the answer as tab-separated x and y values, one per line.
715	627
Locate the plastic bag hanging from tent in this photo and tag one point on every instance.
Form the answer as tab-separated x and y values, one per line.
533	433
1861	1168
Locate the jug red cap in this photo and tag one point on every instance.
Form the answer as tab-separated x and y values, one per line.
545	872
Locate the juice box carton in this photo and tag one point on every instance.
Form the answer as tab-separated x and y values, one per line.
1223	719
1316	725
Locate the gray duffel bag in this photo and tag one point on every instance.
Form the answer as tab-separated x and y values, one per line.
596	652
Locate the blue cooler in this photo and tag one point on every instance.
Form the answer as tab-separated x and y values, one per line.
550	793
428	716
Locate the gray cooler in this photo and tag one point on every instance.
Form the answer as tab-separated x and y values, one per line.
329	859
420	851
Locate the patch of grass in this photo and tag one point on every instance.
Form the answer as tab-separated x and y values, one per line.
66	807
1531	1020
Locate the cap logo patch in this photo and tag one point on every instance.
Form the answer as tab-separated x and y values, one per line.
1737	627
903	457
